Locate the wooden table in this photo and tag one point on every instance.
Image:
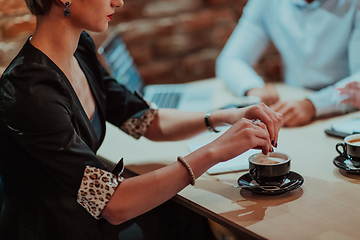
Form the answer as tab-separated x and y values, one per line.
325	207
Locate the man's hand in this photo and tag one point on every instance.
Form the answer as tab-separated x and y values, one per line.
268	94
352	89
295	113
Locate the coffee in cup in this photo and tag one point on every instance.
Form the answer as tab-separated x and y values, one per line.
350	147
355	141
271	169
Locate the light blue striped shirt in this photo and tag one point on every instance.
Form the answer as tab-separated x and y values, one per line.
319	44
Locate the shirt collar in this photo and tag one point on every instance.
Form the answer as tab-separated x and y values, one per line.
304	4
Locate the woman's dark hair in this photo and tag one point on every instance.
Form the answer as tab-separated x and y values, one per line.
39	7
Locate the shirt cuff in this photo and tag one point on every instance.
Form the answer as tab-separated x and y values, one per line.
96	189
137	127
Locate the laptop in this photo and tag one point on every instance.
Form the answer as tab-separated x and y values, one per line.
120	65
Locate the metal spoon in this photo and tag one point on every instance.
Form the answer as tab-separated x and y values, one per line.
270	188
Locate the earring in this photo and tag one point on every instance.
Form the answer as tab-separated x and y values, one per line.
67	10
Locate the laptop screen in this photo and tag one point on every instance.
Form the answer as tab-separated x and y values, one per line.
120	64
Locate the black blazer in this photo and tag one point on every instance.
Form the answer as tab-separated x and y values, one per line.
47	140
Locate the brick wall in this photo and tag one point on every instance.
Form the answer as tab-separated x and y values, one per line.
171	41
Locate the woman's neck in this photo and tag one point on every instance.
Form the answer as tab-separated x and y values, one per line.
55	39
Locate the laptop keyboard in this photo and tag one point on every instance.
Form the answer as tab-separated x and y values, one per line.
167	99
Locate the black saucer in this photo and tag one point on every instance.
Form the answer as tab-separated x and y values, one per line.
246	180
346	164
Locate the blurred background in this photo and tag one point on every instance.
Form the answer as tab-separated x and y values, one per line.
171	41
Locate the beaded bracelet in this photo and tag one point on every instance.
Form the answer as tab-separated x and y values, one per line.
188	168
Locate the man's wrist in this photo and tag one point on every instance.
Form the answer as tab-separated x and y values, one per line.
310	107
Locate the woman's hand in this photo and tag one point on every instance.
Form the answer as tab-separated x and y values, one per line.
245	134
272	120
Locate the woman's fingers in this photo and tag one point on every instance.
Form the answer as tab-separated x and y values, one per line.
245	134
261	137
270	118
277	122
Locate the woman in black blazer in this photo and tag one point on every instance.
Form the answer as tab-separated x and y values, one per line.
55	98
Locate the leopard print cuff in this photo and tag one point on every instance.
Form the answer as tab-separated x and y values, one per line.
136	127
96	189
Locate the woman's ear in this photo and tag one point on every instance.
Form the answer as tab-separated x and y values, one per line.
62	2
